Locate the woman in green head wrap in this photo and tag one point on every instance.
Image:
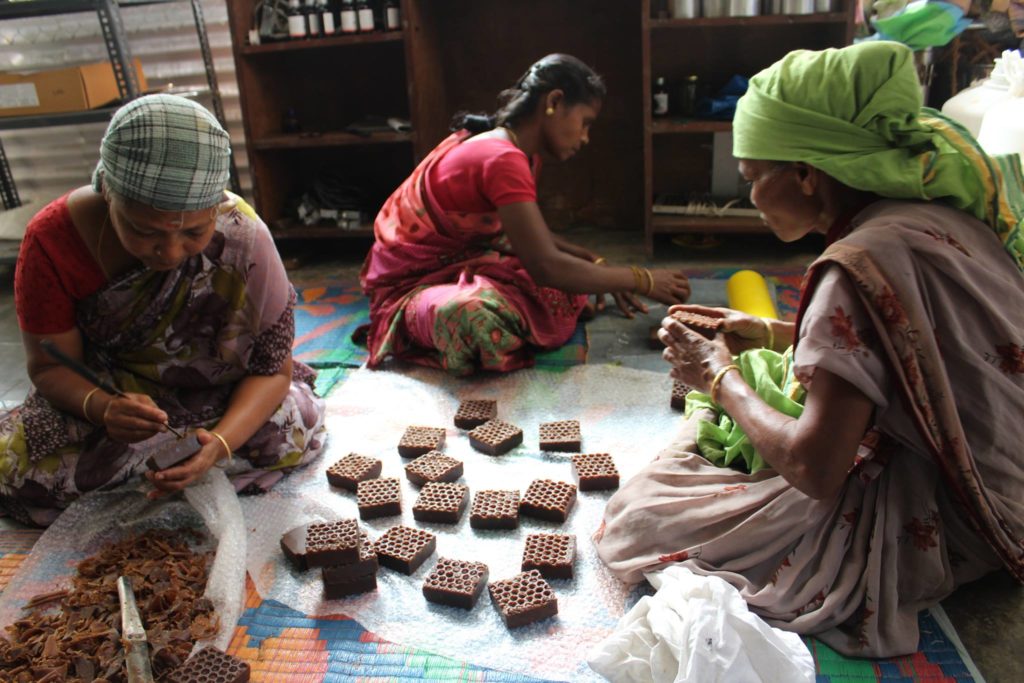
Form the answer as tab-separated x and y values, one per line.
900	477
170	289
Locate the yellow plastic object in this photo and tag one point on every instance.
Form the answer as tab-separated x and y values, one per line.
748	292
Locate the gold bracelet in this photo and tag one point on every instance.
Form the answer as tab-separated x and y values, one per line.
650	282
638	279
85	406
718	379
224	442
771	334
600	261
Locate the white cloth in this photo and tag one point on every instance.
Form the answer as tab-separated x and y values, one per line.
698	628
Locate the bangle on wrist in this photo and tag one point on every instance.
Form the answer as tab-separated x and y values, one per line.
771	334
712	392
600	261
85	406
650	282
224	442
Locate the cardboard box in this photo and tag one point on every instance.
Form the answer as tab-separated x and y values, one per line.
74	88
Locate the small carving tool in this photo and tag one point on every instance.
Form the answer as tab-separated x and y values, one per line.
133	635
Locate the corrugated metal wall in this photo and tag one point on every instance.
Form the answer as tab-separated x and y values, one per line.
46	162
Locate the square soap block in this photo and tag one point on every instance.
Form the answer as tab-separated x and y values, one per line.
595	471
473	412
379	498
679	392
552	555
547	499
563	435
352	469
441	502
417	441
495	510
702	324
322	544
342	588
209	665
434	466
366	564
173	452
404	549
495	437
523	599
458	583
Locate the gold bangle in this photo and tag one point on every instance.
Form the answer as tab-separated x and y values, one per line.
638	279
85	406
224	442
650	282
771	334
718	379
600	261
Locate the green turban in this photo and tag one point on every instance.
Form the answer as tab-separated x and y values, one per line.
855	113
166	152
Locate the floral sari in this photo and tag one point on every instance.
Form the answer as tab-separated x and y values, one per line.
446	290
185	338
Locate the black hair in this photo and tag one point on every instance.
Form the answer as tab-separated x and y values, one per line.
554	72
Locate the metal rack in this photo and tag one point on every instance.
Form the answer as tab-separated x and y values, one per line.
109	14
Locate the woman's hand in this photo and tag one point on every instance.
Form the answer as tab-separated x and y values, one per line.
132	418
175	479
694	359
671	287
741	331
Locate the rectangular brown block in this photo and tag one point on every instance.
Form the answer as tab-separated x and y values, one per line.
211	665
595	471
322	543
366	564
563	435
434	466
337	589
523	599
474	412
495	510
547	499
379	498
458	583
417	441
173	453
495	437
552	555
404	549
352	469
441	502
679	392
702	324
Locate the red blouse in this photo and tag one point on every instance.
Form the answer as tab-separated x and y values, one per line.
479	176
54	271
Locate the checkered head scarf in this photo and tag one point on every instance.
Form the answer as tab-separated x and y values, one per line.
166	152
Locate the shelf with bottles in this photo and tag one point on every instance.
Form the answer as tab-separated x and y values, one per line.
323	42
316	24
286	141
755	21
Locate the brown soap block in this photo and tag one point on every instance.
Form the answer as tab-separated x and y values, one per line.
563	435
211	665
458	583
495	510
379	498
322	544
441	502
434	466
417	441
173	453
702	324
337	588
495	437
595	471
523	599
551	554
404	549
474	412
366	564
352	469
547	499
679	392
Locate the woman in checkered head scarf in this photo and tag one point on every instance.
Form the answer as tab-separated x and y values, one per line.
170	287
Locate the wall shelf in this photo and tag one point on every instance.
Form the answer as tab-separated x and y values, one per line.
765	20
322	43
333	139
672	126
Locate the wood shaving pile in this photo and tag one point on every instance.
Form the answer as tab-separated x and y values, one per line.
81	641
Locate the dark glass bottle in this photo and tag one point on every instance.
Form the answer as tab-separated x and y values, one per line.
296	20
349	20
312	11
365	12
392	15
327	22
660	103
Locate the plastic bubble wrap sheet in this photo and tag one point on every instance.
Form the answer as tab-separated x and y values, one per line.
621	411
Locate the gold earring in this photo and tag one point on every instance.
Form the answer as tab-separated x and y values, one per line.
549	111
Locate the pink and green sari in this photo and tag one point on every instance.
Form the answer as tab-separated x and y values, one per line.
447	291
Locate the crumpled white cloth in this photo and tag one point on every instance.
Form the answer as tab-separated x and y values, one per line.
698	628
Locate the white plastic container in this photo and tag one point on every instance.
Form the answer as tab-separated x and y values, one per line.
968	107
1002	128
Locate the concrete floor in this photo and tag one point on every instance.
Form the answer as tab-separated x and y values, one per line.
986	614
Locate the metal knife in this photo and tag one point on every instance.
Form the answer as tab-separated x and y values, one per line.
133	635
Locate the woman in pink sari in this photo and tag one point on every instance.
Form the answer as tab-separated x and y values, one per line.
464	273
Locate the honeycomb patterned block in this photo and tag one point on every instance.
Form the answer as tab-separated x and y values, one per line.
546	499
441	502
211	665
417	441
404	549
523	599
495	437
474	412
322	544
434	466
458	583
702	324
563	435
379	498
173	452
595	471
366	564
495	510
679	392
551	554
352	469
